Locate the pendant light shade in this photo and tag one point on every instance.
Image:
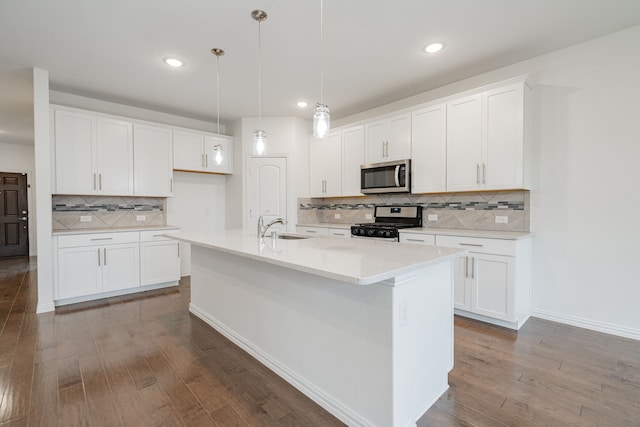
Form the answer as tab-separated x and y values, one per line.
259	136
321	117
219	152
321	121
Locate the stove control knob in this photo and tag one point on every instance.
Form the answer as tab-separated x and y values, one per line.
371	232
354	231
387	234
381	233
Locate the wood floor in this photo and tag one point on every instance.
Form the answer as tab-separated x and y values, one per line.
145	361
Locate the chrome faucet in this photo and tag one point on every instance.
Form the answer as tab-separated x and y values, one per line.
262	229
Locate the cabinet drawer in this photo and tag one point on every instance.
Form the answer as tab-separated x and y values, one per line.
155	235
339	232
97	239
477	244
313	231
418	239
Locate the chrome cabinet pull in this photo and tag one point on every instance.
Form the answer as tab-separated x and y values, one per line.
471	244
202	160
102	238
466	267
105	257
100	181
94	181
473	266
206	160
98	257
477	173
414	240
484	173
311	231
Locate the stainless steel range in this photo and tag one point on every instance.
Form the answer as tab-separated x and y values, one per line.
389	219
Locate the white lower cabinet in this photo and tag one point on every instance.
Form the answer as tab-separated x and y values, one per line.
418	238
492	282
159	258
92	266
311	230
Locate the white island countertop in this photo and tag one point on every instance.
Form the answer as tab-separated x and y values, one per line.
359	261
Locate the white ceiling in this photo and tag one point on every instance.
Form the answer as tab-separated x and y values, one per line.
112	50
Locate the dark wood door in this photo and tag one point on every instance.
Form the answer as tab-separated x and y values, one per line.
14	213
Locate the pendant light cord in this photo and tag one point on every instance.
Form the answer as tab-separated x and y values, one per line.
321	56
259	77
218	88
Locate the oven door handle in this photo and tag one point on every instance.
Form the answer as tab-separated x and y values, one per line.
397	175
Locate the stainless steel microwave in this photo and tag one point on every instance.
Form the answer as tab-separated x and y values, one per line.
386	177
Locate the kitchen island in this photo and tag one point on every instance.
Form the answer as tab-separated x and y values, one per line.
362	327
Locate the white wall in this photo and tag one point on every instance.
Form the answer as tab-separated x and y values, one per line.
585	200
286	136
198	204
19	158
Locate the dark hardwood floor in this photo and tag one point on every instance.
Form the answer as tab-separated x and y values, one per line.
144	360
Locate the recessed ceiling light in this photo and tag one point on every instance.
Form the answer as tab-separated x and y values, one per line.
173	62
302	104
433	47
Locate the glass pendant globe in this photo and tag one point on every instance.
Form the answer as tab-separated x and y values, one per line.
259	143
321	121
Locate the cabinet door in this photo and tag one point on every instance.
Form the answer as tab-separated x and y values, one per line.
503	142
317	160
333	165
429	149
75	153
115	157
352	158
464	143
153	160
461	283
188	152
493	289
399	138
159	262
375	141
79	271
120	267
218	161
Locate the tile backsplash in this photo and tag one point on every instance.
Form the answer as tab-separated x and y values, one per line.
106	212
471	211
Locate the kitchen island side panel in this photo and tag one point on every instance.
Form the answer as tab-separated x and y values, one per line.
339	343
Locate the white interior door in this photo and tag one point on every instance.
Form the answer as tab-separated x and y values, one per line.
267	189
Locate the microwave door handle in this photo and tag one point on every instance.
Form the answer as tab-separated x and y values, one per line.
397	176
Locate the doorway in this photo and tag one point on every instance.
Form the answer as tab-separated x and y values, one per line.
14	215
267	190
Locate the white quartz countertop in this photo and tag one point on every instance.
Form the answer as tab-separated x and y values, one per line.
487	234
359	261
114	230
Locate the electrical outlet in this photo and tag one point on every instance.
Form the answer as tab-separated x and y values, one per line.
502	219
432	217
368	216
337	216
85	218
140	218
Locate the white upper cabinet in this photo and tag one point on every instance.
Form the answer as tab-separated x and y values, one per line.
202	152
153	160
429	149
93	154
325	166
464	143
488	139
352	158
388	139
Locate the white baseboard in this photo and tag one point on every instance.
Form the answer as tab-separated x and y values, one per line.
326	401
607	328
45	307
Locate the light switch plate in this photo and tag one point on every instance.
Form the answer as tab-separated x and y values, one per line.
432	217
85	218
337	216
368	216
502	219
140	217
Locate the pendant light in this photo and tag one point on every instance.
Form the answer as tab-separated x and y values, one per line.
259	136
321	117
218	150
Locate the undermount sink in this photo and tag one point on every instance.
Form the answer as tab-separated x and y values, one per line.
290	237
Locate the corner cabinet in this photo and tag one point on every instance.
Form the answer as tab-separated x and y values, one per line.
325	166
202	152
493	281
93	154
489	139
388	139
153	160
